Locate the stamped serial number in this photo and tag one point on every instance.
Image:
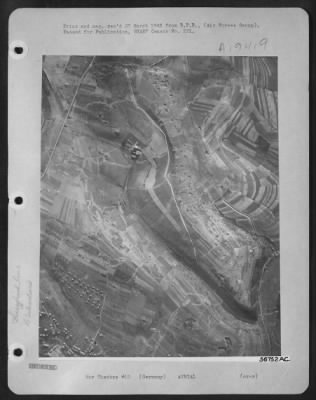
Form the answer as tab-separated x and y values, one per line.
274	359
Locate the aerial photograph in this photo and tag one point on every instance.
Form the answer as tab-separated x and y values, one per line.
159	207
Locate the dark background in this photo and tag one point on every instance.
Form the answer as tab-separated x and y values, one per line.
6	8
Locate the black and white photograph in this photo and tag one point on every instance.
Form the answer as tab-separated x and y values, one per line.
159	207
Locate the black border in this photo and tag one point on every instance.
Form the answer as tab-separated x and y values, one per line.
6	8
